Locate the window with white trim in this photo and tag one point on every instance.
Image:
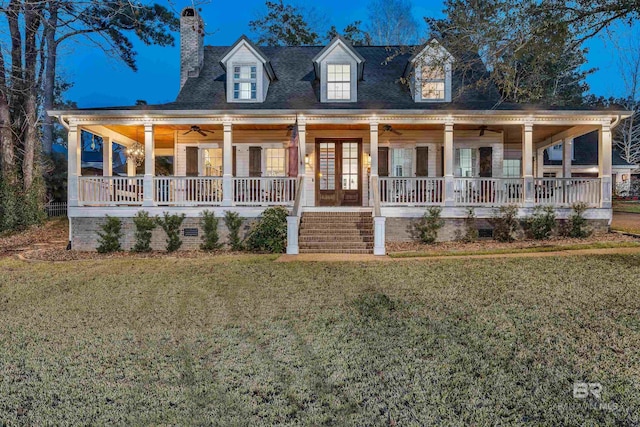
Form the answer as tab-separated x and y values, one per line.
511	168
433	82
466	162
402	162
211	162
276	164
245	82
339	82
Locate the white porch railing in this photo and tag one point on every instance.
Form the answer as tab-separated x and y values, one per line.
395	191
187	191
566	191
488	191
264	191
110	190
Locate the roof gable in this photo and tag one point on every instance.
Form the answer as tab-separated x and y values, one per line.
432	49
339	41
244	41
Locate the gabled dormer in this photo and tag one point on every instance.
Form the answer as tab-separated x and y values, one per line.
339	68
249	72
429	71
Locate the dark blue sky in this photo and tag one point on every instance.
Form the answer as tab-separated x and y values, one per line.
102	81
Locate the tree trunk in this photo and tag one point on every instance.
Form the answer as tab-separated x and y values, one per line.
7	157
49	77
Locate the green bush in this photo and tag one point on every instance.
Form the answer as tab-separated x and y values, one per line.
427	228
470	229
505	223
109	238
577	226
210	239
144	225
9	203
171	226
233	221
542	223
270	233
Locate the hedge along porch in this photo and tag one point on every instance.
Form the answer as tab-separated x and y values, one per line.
240	162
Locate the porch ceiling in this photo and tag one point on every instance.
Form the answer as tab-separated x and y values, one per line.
165	134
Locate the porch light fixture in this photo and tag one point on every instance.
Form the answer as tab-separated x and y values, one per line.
135	153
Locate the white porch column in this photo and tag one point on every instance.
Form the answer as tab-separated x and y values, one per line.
131	167
540	163
604	163
449	196
567	149
74	147
149	165
292	235
302	150
107	156
527	164
227	166
373	152
379	237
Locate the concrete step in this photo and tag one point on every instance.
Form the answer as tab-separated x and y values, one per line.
335	239
336	251
336	245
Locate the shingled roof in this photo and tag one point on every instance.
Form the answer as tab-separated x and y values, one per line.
298	88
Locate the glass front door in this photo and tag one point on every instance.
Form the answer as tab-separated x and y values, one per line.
338	180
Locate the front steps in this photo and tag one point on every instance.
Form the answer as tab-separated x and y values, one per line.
336	232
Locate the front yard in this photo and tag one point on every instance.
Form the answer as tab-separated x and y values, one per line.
240	340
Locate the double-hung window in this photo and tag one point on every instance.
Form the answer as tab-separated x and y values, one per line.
211	162
402	162
466	163
245	82
275	162
433	83
339	82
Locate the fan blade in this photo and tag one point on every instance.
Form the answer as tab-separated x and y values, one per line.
187	132
201	132
482	132
396	132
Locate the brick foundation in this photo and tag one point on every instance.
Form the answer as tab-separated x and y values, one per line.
402	229
85	233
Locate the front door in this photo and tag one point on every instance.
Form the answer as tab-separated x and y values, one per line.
338	179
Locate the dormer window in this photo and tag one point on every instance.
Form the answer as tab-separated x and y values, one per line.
339	82
433	83
245	82
430	73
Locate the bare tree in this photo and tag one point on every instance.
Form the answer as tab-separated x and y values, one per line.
391	23
627	136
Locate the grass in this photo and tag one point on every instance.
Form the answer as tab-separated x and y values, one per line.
533	249
628	207
245	341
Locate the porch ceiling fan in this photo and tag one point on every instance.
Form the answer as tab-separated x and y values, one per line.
485	128
389	128
196	128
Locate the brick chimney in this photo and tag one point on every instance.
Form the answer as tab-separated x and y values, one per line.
191	44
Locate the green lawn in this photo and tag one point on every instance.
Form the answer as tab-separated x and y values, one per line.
245	341
629	207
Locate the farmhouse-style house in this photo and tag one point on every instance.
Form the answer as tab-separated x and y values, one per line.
335	134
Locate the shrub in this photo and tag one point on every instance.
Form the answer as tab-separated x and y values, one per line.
470	230
209	224
577	226
505	223
233	221
171	226
270	233
110	236
427	228
542	223
144	225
